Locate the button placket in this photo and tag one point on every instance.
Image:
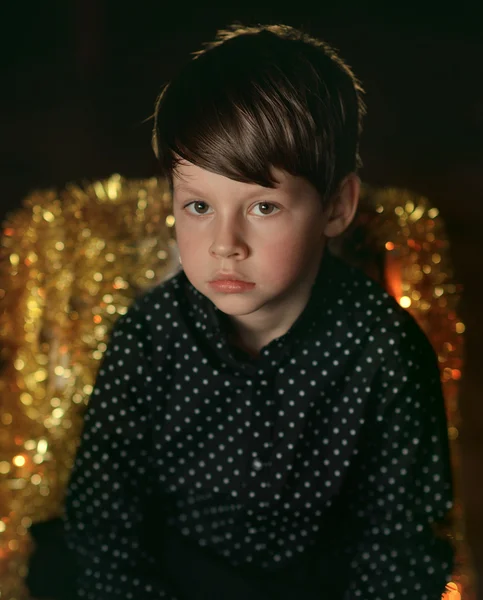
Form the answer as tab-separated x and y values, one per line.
257	464
260	433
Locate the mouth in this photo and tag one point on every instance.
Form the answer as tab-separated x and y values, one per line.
229	284
229	277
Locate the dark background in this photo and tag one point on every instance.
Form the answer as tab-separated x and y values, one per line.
79	79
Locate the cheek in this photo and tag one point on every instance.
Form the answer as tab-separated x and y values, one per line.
284	257
193	258
189	244
291	245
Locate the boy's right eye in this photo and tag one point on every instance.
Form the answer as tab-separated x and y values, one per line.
197	208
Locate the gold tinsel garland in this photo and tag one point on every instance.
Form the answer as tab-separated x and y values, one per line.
74	261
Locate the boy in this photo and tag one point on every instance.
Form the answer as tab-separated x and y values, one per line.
269	422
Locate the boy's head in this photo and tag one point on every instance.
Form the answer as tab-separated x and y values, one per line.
258	136
259	98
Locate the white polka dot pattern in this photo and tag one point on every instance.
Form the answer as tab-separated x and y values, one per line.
331	444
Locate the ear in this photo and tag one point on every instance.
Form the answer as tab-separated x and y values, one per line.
343	207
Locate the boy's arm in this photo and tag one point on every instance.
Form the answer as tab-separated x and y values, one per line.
403	482
111	483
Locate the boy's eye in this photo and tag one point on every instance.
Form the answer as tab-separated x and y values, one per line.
202	208
266	208
199	208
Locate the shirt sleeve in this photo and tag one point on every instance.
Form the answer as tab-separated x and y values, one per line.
403	481
106	512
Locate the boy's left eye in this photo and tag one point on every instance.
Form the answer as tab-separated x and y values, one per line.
266	208
199	207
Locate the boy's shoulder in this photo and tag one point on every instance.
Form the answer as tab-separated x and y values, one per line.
164	297
365	303
159	306
166	292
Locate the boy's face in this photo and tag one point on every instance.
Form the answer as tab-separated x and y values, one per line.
270	240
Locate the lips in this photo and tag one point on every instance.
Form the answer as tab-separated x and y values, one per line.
229	277
230	283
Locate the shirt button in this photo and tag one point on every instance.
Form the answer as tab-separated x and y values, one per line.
257	464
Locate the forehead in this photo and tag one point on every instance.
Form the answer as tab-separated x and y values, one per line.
189	178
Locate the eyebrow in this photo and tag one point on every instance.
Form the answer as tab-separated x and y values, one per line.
187	189
197	192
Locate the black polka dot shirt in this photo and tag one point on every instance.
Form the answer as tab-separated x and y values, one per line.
313	471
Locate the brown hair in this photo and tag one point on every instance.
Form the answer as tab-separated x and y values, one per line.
263	97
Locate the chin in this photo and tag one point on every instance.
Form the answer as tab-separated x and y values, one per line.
235	305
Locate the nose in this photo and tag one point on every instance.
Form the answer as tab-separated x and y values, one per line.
228	242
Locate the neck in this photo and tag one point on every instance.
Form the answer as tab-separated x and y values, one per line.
251	341
253	332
